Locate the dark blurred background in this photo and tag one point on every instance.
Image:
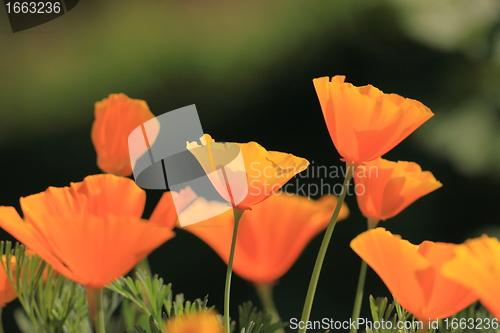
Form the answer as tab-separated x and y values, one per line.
248	67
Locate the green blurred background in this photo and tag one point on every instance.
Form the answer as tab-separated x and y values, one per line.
248	67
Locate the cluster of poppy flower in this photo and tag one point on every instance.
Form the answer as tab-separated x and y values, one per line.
433	280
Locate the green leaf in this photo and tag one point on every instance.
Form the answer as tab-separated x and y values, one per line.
253	321
154	298
472	314
51	302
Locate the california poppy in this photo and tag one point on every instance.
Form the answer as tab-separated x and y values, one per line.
245	174
91	232
413	273
171	204
115	118
384	188
271	236
476	265
7	292
364	123
202	322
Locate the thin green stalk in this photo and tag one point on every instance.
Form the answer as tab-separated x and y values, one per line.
1	322
358	300
265	292
426	326
306	312
96	309
227	322
144	265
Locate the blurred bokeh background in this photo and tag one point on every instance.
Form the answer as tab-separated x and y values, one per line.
248	67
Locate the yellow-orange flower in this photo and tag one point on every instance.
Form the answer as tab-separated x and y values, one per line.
115	118
384	188
207	322
476	264
413	273
364	123
271	236
245	174
7	292
91	232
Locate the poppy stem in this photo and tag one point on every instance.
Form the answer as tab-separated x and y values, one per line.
1	322
144	265
426	326
96	309
227	321
265	292
358	299
306	312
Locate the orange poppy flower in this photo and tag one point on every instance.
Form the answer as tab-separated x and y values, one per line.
384	188
115	118
413	273
477	265
195	323
245	174
271	236
7	292
171	204
364	123
91	232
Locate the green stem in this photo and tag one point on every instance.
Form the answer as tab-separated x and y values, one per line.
426	326
265	292
96	309
144	265
1	322
358	300
227	322
306	312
